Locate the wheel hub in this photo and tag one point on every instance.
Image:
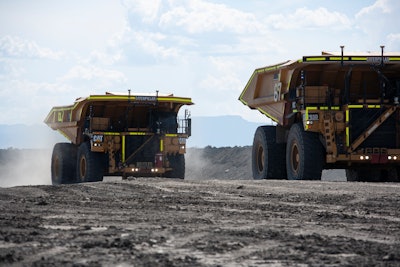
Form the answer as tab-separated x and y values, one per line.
260	159
82	167
56	167
295	158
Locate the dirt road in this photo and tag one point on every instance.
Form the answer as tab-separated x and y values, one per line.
161	222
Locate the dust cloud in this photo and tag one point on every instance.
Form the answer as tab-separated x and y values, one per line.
196	164
28	160
24	167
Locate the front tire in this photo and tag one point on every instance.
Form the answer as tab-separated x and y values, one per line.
177	163
89	165
268	157
304	155
63	163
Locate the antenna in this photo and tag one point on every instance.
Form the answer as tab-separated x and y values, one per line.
157	97
382	47
341	48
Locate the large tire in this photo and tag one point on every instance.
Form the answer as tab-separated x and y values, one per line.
304	155
89	165
63	163
177	163
268	157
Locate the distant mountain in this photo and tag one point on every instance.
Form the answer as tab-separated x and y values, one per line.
220	131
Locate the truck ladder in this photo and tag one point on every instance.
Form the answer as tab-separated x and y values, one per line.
385	115
329	133
111	156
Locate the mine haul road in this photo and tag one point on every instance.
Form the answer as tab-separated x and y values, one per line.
168	222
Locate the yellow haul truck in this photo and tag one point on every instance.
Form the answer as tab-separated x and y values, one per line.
332	111
120	134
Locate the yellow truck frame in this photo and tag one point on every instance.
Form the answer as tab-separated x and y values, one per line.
331	111
120	134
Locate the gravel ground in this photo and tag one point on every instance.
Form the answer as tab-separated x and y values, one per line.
211	219
160	222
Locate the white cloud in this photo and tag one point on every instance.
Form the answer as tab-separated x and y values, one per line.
150	43
223	77
379	6
14	46
8	70
120	36
104	58
91	73
205	49
378	24
260	45
304	18
112	52
73	26
24	101
182	29
394	37
394	41
148	9
196	16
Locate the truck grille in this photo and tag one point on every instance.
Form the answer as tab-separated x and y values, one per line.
383	136
146	154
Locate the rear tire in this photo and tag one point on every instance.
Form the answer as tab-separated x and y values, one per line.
177	163
268	157
304	155
63	163
89	164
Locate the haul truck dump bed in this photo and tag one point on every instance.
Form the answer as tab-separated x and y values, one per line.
333	110
120	134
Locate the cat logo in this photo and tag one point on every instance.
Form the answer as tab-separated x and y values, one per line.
98	138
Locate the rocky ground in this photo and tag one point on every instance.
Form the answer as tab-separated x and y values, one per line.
202	221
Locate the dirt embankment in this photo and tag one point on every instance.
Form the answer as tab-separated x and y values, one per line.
218	163
231	163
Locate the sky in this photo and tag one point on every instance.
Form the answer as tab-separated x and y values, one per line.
52	52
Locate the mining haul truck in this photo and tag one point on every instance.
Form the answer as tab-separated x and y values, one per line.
120	135
332	111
